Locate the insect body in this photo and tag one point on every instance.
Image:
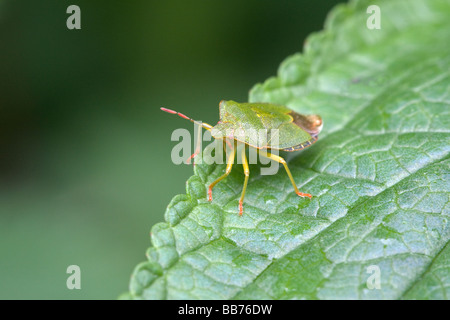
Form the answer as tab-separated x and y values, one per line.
285	130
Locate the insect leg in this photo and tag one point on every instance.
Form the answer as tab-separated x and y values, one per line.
283	162
197	147
247	174
230	161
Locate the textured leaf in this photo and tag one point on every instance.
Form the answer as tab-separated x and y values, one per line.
379	175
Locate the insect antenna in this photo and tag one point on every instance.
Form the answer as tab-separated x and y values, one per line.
204	125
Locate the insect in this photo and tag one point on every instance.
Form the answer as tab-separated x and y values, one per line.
238	124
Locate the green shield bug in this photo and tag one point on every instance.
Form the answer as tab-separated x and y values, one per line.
240	121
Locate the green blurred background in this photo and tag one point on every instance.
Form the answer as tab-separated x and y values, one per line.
85	167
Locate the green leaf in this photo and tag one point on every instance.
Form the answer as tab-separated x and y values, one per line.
379	175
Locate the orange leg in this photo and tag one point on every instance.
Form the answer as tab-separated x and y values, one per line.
197	147
230	162
283	162
247	174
